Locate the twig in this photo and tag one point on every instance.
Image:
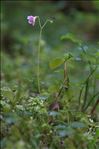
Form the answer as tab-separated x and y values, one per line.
94	107
91	101
87	87
64	81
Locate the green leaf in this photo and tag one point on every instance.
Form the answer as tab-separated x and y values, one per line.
77	125
6	91
97	54
5	106
53	113
65	132
67	56
71	38
56	63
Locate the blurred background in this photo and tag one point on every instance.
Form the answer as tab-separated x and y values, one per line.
26	122
79	17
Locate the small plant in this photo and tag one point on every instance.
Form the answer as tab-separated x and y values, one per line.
31	21
57	109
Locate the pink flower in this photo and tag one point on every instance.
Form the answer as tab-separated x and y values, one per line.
31	20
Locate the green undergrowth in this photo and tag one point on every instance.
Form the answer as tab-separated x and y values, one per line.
61	116
65	114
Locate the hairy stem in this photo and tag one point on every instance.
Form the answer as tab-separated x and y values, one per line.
45	23
38	65
38	57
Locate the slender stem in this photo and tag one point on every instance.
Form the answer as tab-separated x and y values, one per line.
91	73
39	45
61	88
45	23
39	22
38	57
87	87
86	94
38	65
94	107
65	71
91	100
65	81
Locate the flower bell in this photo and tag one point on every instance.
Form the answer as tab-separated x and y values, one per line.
31	20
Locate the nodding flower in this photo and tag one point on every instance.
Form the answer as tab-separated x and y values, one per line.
31	20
